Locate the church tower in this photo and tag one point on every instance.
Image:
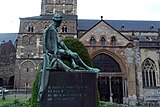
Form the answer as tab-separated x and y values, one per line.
68	7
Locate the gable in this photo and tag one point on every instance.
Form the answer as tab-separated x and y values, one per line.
103	29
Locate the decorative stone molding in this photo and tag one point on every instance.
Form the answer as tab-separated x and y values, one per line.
151	96
137	55
129	55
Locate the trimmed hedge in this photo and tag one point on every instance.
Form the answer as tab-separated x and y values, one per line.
76	46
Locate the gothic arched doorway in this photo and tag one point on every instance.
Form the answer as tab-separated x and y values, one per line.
110	82
11	82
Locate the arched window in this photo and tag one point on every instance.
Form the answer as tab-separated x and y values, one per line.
113	41
25	40
11	82
149	73
103	41
33	40
106	63
30	29
92	41
27	75
64	28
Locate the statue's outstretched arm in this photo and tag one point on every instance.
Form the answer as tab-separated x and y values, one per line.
62	45
64	48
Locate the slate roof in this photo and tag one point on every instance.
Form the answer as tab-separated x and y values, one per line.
129	25
142	38
49	17
86	24
8	36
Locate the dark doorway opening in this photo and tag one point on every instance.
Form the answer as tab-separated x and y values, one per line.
11	82
103	87
116	89
108	65
1	82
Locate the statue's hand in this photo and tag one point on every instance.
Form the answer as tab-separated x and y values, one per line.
73	54
68	52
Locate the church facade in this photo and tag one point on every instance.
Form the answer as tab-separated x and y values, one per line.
126	52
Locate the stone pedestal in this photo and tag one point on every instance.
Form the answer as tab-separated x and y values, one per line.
70	89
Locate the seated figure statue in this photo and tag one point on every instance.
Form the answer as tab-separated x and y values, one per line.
54	50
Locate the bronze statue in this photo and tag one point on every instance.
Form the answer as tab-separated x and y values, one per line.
54	51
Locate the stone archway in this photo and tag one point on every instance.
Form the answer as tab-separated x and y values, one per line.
11	82
117	58
27	74
106	63
110	80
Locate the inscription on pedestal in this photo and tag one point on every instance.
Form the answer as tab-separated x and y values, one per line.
76	89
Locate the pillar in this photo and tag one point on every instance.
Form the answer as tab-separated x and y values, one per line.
139	83
125	90
110	89
132	95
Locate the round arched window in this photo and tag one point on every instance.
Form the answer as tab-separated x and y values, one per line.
92	41
103	41
106	63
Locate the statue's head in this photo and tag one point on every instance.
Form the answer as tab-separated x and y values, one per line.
57	17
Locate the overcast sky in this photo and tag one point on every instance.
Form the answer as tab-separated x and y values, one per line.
11	10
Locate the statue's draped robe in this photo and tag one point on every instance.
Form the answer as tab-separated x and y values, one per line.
50	39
